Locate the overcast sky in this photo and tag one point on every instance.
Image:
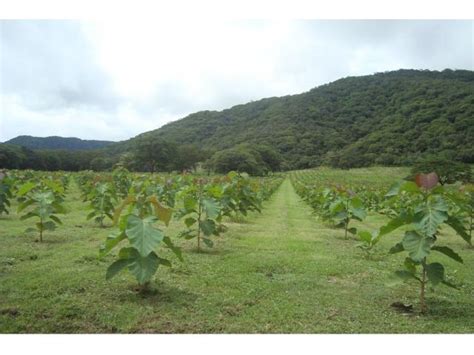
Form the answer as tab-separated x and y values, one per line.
113	80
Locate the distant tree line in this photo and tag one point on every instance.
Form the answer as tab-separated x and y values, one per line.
146	155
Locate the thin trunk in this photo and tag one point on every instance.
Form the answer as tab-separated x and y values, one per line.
41	230
423	307
347	219
199	217
470	228
346	227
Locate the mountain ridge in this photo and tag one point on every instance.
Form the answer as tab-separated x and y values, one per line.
388	118
57	143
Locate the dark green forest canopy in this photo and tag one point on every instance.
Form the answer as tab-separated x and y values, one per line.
55	142
390	118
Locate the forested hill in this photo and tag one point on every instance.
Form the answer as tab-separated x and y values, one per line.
391	118
55	143
386	118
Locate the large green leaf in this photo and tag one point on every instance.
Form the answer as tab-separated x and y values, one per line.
356	207
208	242
407	186
24	205
435	273
190	221
111	241
143	236
395	223
448	252
24	189
190	203
211	207
365	236
431	214
457	225
417	245
397	248
337	207
116	267
56	219
406	275
29	215
208	227
143	268
49	225
410	265
176	250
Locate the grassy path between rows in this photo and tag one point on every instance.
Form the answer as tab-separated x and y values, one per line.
281	271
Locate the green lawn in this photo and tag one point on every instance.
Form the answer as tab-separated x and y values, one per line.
282	271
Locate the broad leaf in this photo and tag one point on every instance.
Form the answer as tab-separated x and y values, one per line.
397	248
56	219
211	207
410	266
406	275
189	221
407	186
457	225
352	230
427	181
431	214
395	223
143	268
365	236
208	227
111	241
417	245
164	262
449	284
142	234
49	225
24	189
176	250
435	273
116	267
448	252
208	242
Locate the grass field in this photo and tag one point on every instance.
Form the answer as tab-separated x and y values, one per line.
281	271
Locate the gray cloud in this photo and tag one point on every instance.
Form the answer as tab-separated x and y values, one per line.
51	66
77	79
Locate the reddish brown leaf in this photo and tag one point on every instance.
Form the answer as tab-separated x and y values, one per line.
427	181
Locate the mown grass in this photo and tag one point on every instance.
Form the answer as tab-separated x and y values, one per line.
279	272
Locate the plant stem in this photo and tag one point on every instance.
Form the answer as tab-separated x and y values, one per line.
422	291
41	230
346	228
199	217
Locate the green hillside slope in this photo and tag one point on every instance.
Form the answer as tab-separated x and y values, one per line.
387	118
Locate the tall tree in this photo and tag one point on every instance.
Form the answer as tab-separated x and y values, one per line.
153	154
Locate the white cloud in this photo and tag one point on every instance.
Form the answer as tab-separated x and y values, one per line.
116	79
